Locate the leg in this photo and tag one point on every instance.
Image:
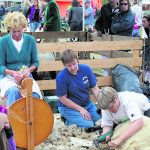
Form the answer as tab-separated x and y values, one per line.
36	95
12	95
36	25
31	26
74	117
92	109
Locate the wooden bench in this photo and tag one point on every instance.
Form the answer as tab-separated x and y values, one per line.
111	49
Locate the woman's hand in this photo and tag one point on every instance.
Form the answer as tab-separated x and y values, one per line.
85	114
17	76
115	143
26	73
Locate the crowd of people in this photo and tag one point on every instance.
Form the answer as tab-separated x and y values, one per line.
117	17
75	81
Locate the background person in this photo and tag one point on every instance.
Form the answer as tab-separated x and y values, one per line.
75	16
72	87
146	24
105	16
137	11
120	107
33	14
52	20
122	23
88	16
17	50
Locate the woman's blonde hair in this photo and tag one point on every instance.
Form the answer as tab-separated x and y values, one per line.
15	20
106	96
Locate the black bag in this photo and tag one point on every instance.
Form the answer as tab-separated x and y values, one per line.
126	79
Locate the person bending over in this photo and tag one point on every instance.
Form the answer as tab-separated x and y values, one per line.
120	107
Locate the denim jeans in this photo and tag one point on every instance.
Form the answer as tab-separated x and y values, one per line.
13	94
74	117
33	26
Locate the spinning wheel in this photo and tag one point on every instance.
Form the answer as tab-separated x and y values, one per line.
31	119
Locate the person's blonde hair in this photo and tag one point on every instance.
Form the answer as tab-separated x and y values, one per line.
106	96
15	20
26	4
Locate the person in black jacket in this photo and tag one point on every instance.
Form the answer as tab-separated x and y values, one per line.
107	12
75	16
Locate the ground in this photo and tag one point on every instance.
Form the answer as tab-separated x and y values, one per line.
68	138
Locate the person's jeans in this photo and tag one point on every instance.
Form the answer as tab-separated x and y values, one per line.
33	26
13	94
74	117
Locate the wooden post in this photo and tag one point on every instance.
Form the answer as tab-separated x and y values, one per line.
27	84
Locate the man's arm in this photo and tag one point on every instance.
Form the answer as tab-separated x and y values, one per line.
131	130
106	129
95	91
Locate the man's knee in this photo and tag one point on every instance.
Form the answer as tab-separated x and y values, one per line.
86	124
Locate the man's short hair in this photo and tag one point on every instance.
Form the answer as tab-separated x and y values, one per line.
68	56
106	96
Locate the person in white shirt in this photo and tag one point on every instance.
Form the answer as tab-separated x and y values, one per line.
118	107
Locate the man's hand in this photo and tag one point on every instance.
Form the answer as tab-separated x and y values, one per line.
85	114
26	73
115	143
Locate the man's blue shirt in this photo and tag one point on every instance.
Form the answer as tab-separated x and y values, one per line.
76	87
90	19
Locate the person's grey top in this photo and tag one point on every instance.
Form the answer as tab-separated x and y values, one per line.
75	15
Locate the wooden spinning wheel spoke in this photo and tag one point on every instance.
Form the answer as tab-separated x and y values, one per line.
30	126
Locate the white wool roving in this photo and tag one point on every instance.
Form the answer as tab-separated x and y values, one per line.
139	141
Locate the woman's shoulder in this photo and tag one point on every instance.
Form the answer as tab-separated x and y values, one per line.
5	37
28	36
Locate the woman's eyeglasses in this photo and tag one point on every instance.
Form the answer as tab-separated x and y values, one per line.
124	4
